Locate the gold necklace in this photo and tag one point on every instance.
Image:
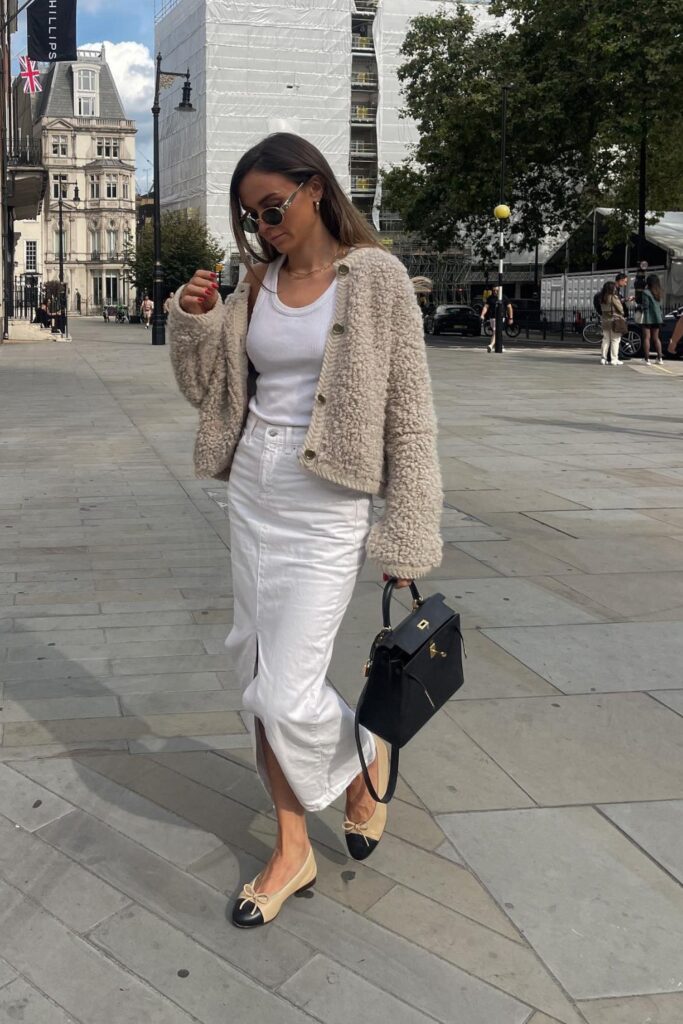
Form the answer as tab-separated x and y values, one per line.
317	270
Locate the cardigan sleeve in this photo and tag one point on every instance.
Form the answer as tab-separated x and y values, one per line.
195	347
406	542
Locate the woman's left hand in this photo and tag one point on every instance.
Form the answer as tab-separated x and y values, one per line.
399	582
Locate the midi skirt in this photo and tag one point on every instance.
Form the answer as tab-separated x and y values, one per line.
297	546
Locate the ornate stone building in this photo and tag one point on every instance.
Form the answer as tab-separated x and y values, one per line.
86	141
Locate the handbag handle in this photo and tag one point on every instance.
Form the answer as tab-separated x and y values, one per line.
393	767
386	600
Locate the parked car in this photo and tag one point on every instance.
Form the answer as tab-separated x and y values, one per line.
453	320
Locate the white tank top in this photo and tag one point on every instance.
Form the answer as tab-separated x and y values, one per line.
286	346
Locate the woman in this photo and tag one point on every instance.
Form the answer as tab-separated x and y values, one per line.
653	317
314	394
610	305
146	309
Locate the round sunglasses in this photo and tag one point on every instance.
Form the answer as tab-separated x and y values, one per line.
272	215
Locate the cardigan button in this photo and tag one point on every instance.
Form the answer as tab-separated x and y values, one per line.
343	270
309	455
320	399
338	329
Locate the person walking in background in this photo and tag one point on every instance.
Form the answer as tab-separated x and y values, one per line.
611	307
78	301
146	309
167	304
311	400
652	317
621	281
489	313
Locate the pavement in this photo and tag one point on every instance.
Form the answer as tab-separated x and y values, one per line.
531	871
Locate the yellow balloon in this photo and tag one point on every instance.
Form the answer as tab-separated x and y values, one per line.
501	212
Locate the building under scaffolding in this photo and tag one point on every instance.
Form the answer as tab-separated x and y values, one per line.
326	70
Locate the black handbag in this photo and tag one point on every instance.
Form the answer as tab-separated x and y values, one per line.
412	670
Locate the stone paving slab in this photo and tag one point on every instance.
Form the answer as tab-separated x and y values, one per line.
580	892
657	1009
656	827
601	658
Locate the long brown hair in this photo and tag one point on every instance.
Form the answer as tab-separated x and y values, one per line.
299	160
609	288
654	286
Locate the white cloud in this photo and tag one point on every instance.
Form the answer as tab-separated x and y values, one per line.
132	66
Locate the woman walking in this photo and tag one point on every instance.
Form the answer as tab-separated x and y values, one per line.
653	318
314	395
611	307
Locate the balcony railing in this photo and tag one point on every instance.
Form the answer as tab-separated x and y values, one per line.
363	80
104	122
362	43
366	6
363	114
362	185
25	154
363	151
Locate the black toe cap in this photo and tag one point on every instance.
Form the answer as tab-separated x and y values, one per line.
246	915
359	847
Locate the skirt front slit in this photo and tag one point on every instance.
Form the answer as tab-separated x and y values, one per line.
297	547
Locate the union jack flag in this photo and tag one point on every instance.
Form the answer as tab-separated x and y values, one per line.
29	72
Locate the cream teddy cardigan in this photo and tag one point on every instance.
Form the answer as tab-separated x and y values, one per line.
373	426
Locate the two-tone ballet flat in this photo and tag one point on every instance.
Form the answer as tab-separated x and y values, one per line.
254	908
363	837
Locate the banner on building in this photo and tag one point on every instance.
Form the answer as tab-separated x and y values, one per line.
52	30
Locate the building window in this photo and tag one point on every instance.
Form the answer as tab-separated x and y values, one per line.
111	288
94	242
59	145
59	186
112	190
94	186
86	106
97	289
108	147
125	188
56	244
31	256
86	80
112	241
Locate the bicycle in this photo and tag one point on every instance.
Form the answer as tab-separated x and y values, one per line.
630	343
511	329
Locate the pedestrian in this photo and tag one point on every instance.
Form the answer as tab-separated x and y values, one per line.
147	308
611	308
78	301
639	284
621	281
167	304
489	312
340	408
653	317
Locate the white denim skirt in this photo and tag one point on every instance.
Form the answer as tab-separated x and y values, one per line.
297	547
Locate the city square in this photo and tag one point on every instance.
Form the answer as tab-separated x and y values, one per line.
531	871
341	512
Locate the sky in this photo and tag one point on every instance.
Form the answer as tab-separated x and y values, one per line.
126	27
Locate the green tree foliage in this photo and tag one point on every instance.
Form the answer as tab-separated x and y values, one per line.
585	76
186	246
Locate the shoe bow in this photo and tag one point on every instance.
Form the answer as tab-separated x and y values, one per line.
358	828
249	895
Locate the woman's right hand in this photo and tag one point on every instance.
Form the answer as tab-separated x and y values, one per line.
201	293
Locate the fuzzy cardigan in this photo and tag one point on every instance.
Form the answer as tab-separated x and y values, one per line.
373	426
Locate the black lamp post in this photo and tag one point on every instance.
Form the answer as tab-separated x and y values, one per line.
63	320
185	106
501	213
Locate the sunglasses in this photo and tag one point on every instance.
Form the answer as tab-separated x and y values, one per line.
272	215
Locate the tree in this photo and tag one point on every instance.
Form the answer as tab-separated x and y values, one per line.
583	76
186	245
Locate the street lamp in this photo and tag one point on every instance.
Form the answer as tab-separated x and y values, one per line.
64	326
185	106
501	213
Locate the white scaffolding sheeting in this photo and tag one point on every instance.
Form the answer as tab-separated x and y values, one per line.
256	68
